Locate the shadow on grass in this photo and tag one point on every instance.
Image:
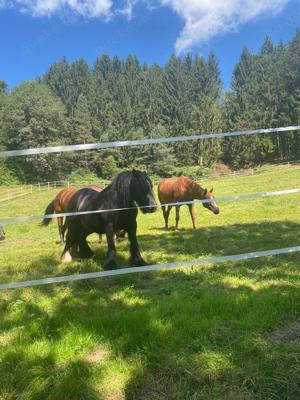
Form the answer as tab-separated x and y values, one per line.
43	378
182	336
198	335
185	244
224	240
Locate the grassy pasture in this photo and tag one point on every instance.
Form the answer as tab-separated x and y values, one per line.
226	331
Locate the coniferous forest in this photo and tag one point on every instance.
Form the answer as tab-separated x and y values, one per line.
125	100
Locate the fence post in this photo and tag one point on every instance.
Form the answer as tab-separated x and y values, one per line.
68	184
48	185
39	185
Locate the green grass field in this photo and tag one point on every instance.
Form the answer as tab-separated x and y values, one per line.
225	331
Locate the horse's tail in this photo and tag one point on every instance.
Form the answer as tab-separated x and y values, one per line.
49	210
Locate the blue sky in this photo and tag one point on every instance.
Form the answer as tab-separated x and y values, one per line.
35	33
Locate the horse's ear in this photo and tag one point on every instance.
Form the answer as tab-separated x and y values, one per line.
205	191
211	190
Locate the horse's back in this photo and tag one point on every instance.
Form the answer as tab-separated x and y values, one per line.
95	187
82	199
165	190
63	198
174	189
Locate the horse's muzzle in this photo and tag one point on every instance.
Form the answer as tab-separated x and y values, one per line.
216	211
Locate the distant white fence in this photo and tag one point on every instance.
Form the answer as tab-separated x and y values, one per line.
14	193
23	190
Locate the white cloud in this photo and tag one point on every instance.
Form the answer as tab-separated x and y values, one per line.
203	19
86	8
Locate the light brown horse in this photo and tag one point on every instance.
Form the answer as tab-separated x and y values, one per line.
175	190
60	205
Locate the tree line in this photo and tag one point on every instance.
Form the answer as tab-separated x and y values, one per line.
74	103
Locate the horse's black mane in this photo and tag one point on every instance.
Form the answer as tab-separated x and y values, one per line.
122	184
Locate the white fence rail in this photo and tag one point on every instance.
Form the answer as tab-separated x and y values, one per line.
143	142
16	192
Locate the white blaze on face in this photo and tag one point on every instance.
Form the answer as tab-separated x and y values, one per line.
214	207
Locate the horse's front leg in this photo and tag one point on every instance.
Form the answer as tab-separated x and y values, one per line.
192	212
136	258
84	249
111	262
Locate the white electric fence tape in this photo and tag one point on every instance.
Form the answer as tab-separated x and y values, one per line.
127	143
147	268
216	200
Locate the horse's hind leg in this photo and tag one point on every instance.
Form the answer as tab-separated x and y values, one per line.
165	216
61	230
192	212
120	235
177	217
166	213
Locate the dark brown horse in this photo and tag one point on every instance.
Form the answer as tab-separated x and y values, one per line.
60	205
182	189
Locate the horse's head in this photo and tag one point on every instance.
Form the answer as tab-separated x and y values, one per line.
142	191
211	205
2	233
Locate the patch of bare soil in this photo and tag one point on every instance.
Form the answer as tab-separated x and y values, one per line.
290	333
97	356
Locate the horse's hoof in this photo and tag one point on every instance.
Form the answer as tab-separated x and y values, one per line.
66	258
110	265
139	263
85	256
